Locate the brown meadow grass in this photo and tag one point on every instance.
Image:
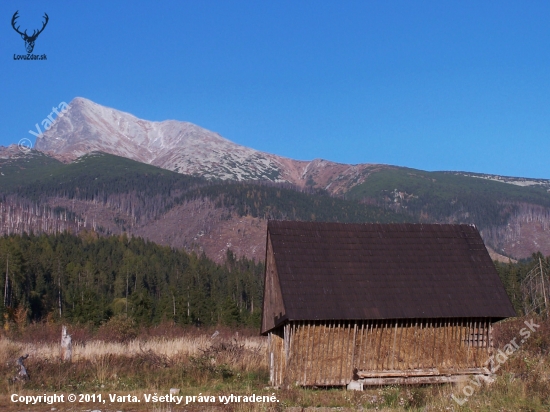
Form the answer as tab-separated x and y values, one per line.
137	362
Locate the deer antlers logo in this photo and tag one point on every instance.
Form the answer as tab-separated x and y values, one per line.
29	40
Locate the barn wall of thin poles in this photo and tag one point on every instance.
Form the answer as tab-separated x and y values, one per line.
333	353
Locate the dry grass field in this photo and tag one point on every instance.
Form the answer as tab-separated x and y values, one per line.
120	359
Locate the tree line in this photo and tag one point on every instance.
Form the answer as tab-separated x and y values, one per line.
88	279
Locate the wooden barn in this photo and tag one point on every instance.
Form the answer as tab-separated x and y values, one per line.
378	303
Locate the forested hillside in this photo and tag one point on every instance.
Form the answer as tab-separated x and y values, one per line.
146	192
115	195
89	279
447	196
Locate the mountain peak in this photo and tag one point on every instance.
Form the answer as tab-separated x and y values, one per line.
182	147
179	146
83	101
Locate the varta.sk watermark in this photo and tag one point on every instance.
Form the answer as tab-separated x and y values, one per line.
29	39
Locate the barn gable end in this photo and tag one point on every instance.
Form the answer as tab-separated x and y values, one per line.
273	310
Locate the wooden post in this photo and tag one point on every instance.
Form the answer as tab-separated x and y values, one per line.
461	344
332	341
370	346
403	324
445	345
393	348
490	346
454	346
287	333
353	349
22	374
483	330
414	354
316	354
379	343
475	339
417	338
320	358
360	348
345	354
339	341
422	342
378	353
468	327
407	349
66	345
296	352
307	353
270	358
286	342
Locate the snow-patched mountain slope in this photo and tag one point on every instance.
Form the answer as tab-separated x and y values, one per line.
179	146
185	148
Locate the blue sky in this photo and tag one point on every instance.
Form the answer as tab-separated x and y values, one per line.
434	85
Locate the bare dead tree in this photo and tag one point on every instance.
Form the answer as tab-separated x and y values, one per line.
66	345
535	289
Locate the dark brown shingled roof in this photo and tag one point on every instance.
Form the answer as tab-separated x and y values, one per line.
385	271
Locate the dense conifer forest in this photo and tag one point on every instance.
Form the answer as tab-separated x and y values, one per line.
87	279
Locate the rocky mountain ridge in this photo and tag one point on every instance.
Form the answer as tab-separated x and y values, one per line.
185	148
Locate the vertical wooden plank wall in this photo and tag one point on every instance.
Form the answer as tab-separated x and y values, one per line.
276	357
314	353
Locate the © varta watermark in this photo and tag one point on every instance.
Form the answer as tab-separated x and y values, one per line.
59	111
496	361
25	144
